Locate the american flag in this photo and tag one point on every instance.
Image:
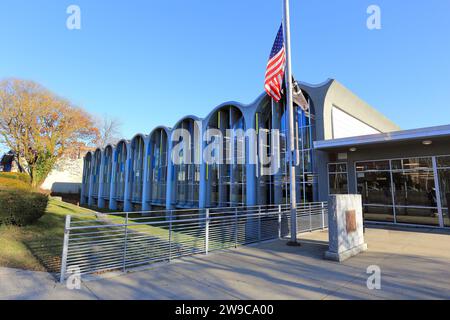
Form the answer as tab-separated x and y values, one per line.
275	67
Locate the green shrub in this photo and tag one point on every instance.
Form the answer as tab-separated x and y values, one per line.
21	207
16	176
7	184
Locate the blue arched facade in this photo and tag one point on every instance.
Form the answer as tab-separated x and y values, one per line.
140	174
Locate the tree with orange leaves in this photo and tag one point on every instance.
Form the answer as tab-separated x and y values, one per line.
39	127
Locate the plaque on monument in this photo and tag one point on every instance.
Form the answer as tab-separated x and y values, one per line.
350	217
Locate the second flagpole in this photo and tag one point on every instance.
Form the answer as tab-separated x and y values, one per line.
290	109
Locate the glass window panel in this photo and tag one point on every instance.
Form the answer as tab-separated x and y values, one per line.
158	164
307	161
415	197
107	174
332	167
338	183
444	183
419	216
414	189
412	163
378	213
372	165
443	162
120	169
309	190
337	167
342	167
397	164
446	213
375	188
274	189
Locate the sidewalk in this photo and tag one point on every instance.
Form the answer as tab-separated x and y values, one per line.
414	265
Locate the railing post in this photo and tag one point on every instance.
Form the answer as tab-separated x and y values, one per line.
259	224
65	250
279	221
235	227
170	236
310	218
125	244
323	216
207	232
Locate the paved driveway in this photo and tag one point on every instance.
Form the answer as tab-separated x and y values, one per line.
415	264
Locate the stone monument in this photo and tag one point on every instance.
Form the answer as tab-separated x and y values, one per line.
345	227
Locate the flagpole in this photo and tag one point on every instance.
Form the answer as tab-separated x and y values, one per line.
290	109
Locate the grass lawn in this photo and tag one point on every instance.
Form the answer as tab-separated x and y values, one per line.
38	247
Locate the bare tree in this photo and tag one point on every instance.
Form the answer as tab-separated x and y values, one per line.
109	130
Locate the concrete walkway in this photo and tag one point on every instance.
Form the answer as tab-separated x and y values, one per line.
415	264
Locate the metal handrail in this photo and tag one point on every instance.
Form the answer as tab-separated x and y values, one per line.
107	244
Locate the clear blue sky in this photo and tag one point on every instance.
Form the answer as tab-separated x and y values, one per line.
151	62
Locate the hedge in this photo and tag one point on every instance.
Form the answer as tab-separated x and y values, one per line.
16	176
19	204
21	207
8	184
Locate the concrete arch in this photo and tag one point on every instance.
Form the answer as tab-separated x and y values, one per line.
225	179
163	128
108	153
136	168
188	117
241	107
108	147
183	178
86	177
262	102
96	166
124	141
121	167
138	135
157	162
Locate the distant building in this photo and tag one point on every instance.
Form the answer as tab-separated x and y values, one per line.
66	176
8	162
345	146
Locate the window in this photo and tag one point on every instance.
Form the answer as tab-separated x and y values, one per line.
338	178
412	164
443	169
157	162
443	162
137	174
415	197
107	173
403	190
375	189
121	162
227	181
373	166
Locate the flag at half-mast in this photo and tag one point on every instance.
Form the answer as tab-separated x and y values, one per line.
275	67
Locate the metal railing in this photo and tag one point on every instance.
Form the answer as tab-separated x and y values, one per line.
119	241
